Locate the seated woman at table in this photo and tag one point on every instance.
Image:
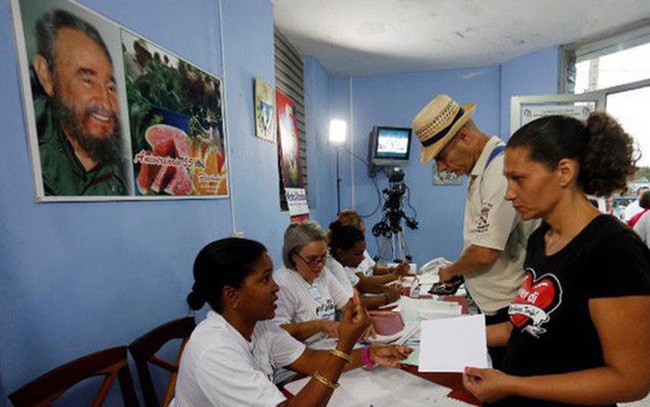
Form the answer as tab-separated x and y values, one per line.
347	246
368	267
579	332
309	294
231	356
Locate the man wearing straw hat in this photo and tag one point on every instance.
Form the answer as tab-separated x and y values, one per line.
494	236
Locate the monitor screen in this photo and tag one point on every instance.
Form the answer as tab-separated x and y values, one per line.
392	143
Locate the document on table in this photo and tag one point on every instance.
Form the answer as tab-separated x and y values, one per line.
382	387
449	345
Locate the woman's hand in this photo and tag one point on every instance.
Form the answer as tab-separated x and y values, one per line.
389	355
487	384
393	292
355	320
402	269
331	328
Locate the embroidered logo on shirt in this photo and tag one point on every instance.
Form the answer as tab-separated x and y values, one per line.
326	310
536	300
482	223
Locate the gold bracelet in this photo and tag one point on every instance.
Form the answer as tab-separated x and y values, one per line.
325	381
342	355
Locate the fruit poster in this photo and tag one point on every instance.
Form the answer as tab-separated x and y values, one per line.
111	115
288	142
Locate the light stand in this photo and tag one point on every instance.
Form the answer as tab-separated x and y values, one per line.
337	132
338	182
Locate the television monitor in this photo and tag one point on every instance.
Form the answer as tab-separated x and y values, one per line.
390	145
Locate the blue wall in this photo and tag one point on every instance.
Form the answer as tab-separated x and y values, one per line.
78	277
534	74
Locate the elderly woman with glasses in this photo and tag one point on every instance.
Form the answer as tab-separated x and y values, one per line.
309	294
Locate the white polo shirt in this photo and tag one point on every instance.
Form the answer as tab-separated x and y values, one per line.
347	280
220	367
491	221
299	301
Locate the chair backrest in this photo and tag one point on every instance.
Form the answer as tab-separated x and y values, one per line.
110	363
144	351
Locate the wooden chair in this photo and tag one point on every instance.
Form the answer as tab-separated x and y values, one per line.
110	363
144	351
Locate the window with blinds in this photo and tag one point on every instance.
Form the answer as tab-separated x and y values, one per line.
288	79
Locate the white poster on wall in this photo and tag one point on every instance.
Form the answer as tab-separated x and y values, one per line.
532	112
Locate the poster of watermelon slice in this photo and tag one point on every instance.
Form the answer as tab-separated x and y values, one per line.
176	124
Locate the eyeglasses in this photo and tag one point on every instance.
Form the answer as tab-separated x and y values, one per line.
314	260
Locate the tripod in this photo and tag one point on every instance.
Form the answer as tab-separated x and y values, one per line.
393	242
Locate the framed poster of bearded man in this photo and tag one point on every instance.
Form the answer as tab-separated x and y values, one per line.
77	68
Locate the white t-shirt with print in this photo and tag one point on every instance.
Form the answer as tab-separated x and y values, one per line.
491	221
342	276
299	301
220	367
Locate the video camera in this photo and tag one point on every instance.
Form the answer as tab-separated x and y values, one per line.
393	213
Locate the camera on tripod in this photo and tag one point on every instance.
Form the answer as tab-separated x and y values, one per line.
393	213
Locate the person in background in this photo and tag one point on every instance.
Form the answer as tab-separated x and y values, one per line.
309	294
641	224
230	358
77	117
644	204
579	332
368	267
347	246
494	235
634	207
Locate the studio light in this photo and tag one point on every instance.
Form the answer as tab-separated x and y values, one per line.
338	129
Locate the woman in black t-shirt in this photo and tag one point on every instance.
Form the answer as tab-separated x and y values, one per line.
579	330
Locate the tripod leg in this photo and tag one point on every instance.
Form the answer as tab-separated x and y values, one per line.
405	249
383	250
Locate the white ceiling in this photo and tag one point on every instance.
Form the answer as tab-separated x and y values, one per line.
365	37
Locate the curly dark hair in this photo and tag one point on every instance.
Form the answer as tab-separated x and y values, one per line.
343	237
225	262
603	149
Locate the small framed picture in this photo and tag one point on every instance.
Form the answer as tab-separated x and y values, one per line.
445	178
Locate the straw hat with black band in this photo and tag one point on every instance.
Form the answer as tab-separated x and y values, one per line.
438	122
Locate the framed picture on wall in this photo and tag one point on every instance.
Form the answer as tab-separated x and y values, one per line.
264	110
445	178
111	115
288	141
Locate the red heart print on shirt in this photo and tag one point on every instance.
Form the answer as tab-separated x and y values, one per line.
536	300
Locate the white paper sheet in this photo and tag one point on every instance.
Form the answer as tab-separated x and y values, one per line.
449	345
382	387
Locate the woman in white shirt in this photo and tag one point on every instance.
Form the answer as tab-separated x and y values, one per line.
347	248
309	294
642	224
232	355
368	267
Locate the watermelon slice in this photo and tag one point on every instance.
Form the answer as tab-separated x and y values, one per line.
166	141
